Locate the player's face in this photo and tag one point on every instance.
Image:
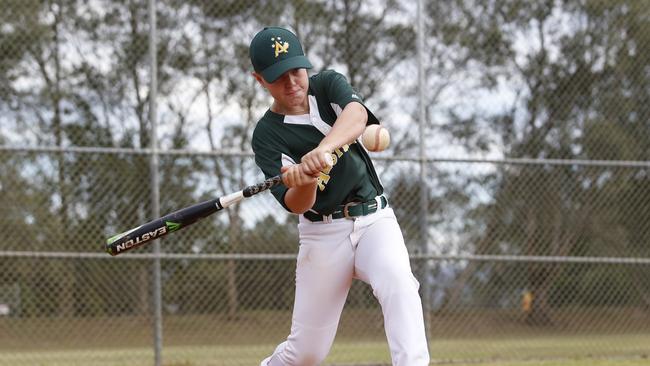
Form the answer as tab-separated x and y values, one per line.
290	91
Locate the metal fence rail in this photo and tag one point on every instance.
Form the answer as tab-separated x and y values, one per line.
264	256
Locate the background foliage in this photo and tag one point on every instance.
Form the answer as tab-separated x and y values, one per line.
537	144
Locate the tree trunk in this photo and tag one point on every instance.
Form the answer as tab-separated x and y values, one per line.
67	269
537	274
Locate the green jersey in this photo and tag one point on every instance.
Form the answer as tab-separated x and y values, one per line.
283	139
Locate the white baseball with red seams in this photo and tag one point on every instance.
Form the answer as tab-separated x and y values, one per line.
375	138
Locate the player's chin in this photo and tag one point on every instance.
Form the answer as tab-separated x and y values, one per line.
295	98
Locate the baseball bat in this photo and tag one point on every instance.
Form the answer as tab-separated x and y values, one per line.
184	217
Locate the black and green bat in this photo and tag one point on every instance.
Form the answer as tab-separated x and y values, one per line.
158	228
120	243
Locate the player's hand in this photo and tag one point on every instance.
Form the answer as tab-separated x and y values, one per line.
294	176
316	161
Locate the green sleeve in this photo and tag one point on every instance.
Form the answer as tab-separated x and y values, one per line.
268	157
339	91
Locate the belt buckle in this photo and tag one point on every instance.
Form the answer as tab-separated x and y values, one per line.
346	210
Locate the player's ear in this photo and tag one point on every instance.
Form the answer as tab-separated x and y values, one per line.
259	78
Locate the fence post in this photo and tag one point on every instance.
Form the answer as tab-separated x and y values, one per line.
422	116
155	189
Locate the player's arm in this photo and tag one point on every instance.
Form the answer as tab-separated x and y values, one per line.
301	194
298	191
348	127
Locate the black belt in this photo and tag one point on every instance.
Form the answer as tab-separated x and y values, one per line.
350	210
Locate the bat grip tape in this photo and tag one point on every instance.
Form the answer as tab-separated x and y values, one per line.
231	199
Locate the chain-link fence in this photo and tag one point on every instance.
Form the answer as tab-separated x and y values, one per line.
519	171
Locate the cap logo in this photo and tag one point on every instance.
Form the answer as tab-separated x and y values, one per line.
279	46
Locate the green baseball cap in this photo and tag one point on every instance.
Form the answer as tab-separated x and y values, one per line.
274	51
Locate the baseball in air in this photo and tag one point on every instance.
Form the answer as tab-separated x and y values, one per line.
375	138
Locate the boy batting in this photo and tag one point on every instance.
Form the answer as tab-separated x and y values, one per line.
347	229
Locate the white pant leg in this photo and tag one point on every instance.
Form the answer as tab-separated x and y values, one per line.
382	260
324	273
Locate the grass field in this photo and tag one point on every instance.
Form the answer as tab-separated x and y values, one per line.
619	350
210	341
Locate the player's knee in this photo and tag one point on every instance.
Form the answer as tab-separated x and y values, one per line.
393	282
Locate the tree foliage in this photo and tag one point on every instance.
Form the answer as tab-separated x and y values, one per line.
76	74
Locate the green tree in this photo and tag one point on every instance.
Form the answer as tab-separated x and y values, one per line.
572	101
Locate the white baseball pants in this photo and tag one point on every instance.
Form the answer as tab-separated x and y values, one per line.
370	248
